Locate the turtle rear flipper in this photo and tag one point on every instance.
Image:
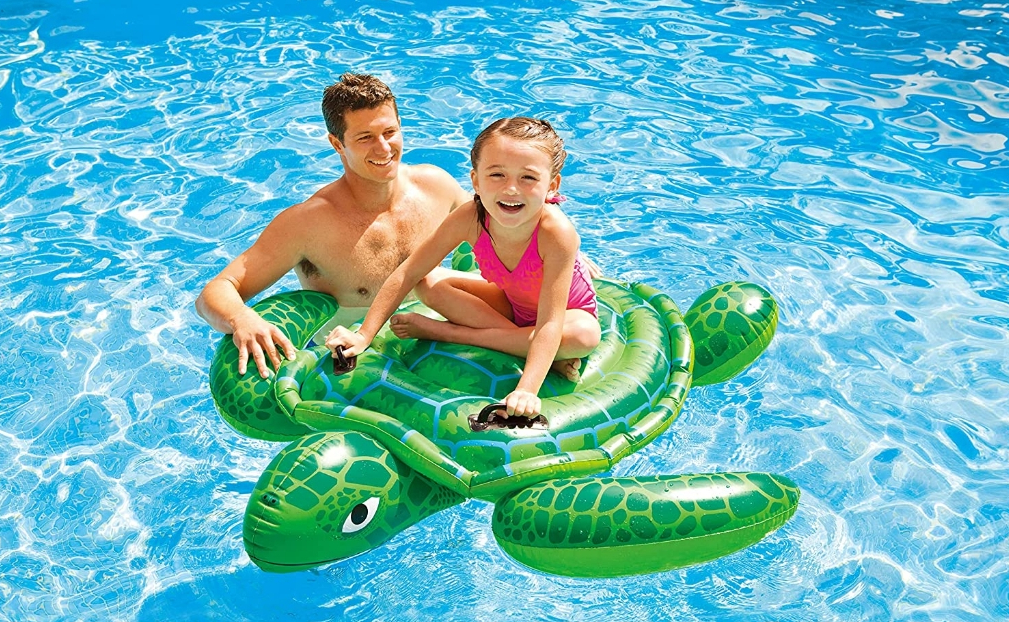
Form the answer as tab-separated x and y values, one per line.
611	527
731	325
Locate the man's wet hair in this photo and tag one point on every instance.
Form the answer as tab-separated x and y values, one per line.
354	91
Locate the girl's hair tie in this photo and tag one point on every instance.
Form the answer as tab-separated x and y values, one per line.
557	198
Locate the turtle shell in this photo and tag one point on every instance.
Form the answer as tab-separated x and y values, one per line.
416	398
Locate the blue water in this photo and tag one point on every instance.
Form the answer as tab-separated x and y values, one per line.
851	158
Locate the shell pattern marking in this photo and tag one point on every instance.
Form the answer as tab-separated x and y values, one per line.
407	380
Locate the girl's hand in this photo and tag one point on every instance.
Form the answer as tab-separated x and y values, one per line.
353	343
523	404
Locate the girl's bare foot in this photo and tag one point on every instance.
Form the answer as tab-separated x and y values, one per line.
569	369
415	326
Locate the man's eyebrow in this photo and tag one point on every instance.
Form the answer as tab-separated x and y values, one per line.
369	132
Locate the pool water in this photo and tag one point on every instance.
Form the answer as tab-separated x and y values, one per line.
850	158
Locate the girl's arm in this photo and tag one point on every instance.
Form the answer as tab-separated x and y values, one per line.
558	247
456	228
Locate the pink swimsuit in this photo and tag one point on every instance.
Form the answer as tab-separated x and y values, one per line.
522	285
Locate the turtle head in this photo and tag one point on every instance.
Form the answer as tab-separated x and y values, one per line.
326	497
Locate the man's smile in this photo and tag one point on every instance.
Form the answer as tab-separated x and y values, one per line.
383	162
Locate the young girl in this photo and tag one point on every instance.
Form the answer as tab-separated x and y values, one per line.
535	298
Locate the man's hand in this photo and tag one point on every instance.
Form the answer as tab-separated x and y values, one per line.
523	404
595	272
353	343
256	337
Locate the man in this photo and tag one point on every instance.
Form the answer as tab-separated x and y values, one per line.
348	237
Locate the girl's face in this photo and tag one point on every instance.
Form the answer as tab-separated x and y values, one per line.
513	180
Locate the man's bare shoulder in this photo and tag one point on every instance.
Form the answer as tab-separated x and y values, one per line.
432	179
323	201
290	223
427	172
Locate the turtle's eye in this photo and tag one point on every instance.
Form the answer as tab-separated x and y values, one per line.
360	516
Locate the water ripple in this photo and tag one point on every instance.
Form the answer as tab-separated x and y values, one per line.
847	158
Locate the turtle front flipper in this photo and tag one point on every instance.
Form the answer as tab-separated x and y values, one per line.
610	527
247	402
333	495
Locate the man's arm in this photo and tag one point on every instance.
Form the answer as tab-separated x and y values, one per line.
222	301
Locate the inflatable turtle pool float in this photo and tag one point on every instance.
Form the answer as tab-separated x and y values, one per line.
400	437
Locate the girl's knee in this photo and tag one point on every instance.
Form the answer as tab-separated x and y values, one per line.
582	336
431	289
423	286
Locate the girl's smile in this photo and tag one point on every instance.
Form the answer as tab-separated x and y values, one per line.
511	207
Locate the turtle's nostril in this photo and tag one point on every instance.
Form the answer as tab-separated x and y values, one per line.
270	500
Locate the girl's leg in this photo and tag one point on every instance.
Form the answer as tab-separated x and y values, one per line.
580	336
465	298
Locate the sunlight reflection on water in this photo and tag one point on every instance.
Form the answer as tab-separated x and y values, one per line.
848	159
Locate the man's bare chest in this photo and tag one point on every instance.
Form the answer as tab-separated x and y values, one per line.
354	262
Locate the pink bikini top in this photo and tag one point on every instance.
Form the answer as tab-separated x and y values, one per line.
522	285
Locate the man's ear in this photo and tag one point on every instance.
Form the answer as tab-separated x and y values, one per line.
333	140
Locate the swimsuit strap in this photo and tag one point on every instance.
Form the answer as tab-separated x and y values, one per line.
486	251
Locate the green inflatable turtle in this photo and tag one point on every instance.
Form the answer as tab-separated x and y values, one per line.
401	437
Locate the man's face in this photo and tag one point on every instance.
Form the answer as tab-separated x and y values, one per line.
373	144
